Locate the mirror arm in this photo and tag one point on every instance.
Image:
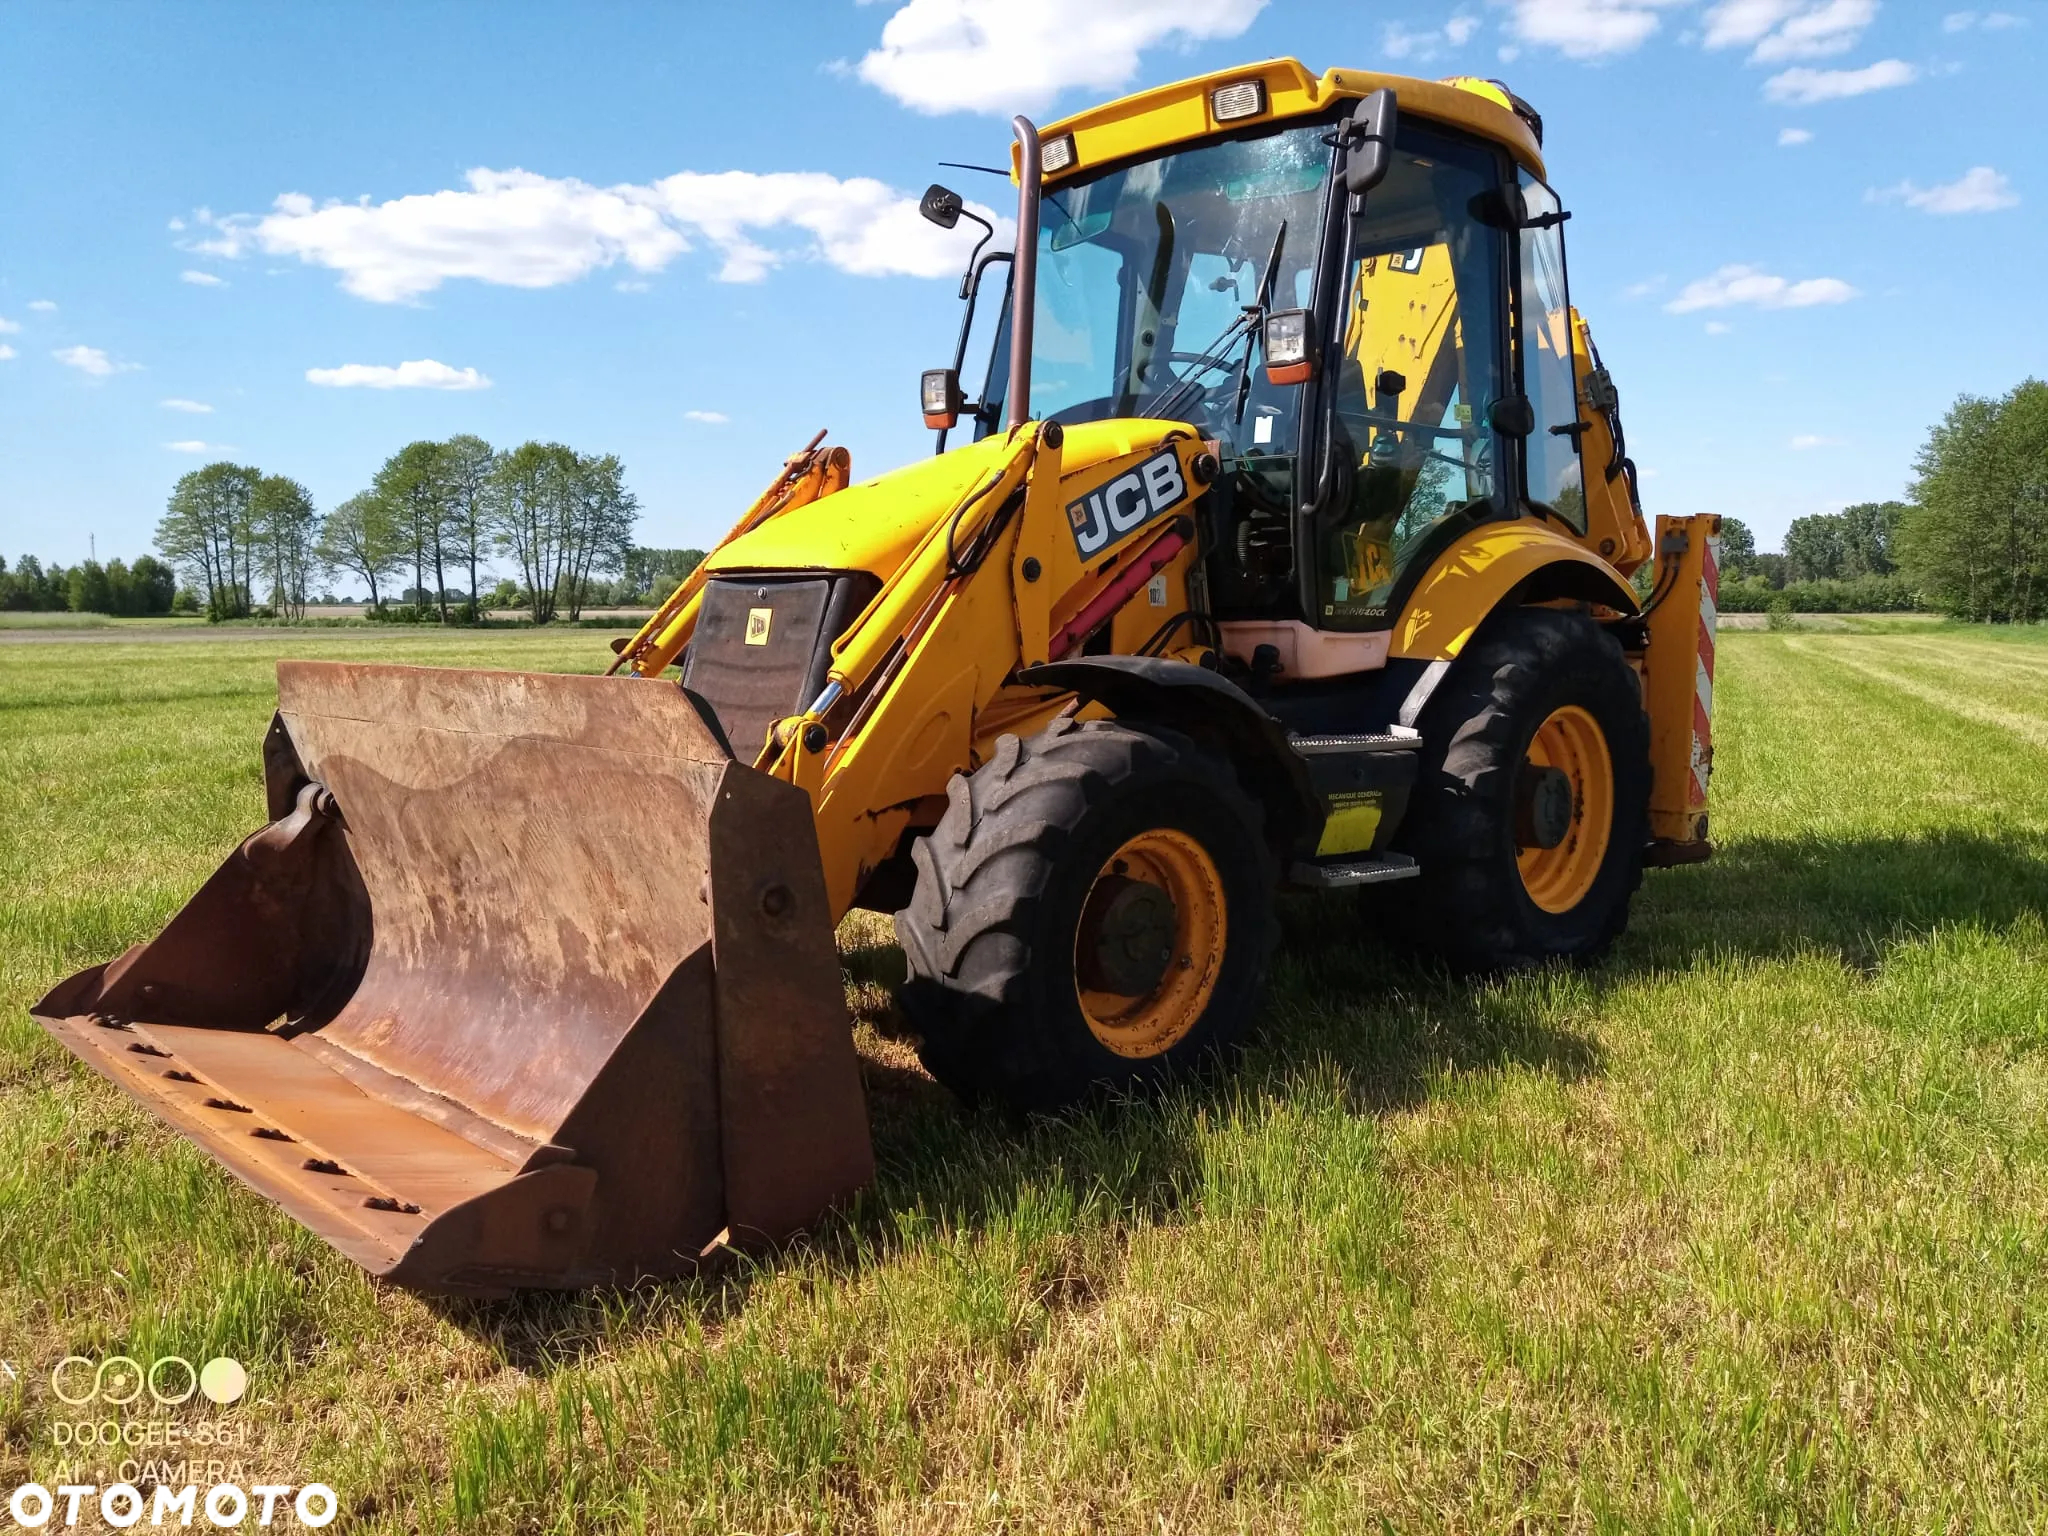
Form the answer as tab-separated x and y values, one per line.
970	291
988	232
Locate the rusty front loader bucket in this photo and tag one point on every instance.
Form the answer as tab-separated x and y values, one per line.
526	984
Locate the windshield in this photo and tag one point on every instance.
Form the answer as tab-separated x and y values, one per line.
1144	277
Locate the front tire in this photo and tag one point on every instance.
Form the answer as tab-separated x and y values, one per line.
1094	909
1531	807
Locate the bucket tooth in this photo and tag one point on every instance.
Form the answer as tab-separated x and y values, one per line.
527	983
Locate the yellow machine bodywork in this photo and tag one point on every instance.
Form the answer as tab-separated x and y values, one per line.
931	660
923	675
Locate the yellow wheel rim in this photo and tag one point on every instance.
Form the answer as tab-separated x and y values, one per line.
1189	940
1558	879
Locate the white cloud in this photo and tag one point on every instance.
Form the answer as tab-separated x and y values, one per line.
709	418
1645	288
521	230
42	306
202	279
423	373
91	361
1425	43
1992	21
1980	189
6	352
1807	440
1718	327
189	407
1736	285
1787	137
1803	86
1004	56
8	327
1587	29
1777	30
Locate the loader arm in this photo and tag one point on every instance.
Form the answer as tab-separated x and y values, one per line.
997	584
808	474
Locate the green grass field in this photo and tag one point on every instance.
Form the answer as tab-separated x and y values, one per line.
1746	1230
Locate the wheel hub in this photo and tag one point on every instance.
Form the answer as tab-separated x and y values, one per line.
1568	769
1127	933
1543	806
1150	943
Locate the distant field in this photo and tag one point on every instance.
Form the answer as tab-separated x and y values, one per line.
39	621
1747	1230
1843	623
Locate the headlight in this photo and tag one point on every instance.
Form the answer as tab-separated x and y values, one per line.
1288	356
1056	155
938	391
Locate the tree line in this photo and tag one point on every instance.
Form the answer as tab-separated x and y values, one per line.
146	589
440	510
1976	538
435	511
1970	540
244	539
1833	562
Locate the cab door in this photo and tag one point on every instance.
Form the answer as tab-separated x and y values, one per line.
1419	358
1555	479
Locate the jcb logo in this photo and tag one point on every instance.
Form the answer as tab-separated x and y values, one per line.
758	621
1129	501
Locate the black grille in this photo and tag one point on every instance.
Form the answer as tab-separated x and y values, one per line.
762	647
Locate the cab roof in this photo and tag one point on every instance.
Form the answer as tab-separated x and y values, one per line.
1133	126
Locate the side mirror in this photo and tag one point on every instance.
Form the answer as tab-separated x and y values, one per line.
940	205
1369	142
1289	358
1512	415
938	391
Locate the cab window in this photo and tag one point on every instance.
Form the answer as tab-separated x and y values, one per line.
1419	367
1545	341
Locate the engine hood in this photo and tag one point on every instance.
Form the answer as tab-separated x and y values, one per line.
874	526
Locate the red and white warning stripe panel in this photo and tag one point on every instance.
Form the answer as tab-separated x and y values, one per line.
1703	673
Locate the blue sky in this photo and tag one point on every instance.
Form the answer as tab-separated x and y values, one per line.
1801	227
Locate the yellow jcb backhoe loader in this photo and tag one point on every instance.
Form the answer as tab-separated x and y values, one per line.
1292	547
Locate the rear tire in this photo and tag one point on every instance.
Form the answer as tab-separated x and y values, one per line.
1095	908
1537	689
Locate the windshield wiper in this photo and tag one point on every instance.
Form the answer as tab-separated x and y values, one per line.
1217	353
1214	356
1264	300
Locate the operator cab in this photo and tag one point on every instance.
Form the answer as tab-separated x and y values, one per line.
1439	389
